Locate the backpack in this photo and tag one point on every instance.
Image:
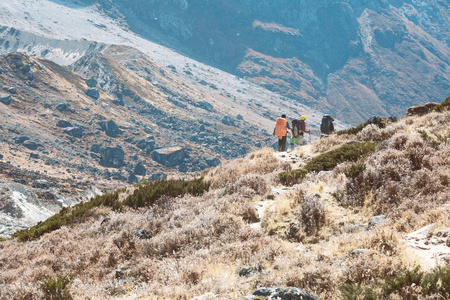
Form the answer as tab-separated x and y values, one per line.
326	127
295	128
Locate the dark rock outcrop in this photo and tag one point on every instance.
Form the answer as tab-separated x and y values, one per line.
5	99
212	161
64	124
91	82
93	93
62	107
169	157
112	157
110	128
76	132
140	169
228	120
30	145
147	144
21	139
420	110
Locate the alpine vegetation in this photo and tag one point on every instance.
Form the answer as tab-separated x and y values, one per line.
359	215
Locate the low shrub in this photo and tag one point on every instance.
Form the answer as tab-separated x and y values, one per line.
312	214
146	194
353	130
328	160
445	105
56	288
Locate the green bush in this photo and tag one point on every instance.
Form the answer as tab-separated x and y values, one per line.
355	169
397	283
445	105
437	283
56	288
353	130
145	194
328	160
356	292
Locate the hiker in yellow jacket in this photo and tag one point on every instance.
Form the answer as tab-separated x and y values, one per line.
281	130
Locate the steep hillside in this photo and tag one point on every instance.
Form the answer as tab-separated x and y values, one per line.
368	217
354	58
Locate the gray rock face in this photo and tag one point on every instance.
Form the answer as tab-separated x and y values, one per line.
147	144
289	293
76	132
64	124
112	157
93	93
5	99
169	157
91	82
110	128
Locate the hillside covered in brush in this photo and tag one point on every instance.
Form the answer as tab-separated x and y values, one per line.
350	216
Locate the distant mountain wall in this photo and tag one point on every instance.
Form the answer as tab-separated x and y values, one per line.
352	58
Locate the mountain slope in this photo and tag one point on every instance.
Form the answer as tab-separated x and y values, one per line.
353	58
318	235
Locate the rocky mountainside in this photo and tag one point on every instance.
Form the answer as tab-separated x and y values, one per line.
356	215
353	58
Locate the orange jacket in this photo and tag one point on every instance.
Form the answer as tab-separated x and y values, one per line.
280	128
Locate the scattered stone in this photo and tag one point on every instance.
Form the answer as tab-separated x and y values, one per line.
41	184
376	221
91	82
30	145
118	102
1	156
239	117
34	155
12	90
141	234
64	124
247	271
26	68
359	252
169	157
76	132
288	293
140	169
93	93
5	99
206	106
119	273
112	157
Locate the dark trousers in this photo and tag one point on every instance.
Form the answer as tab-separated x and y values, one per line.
282	144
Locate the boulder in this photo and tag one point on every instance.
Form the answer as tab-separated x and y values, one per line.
158	176
41	184
228	120
212	161
420	110
34	155
147	144
169	157
21	139
93	93
110	128
240	117
62	107
63	124
5	99
76	132
112	157
12	90
91	82
140	169
97	148
132	178
30	145
288	293
1	156
376	221
206	106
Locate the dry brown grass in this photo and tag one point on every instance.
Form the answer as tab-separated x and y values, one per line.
199	244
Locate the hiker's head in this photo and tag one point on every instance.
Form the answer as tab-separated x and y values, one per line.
283	116
302	118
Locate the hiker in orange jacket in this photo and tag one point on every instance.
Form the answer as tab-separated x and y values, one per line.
281	130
